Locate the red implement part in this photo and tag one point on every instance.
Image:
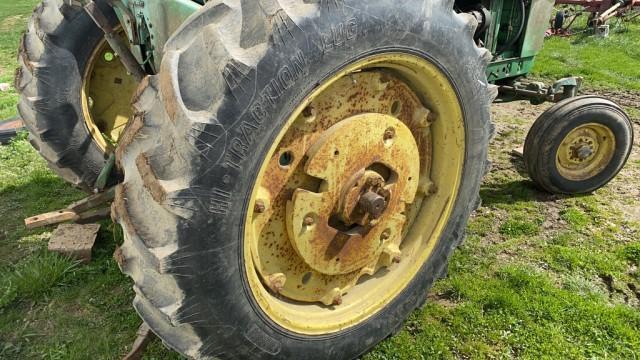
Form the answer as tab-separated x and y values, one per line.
601	6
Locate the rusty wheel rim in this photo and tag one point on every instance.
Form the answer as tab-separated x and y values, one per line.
106	94
354	194
585	151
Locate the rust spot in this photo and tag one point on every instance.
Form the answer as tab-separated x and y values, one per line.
149	179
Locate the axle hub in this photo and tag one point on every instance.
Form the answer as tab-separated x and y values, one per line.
343	238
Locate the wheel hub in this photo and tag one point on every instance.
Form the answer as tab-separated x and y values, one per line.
582	149
585	151
354	221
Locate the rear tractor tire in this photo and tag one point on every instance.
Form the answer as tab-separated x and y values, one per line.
300	172
75	95
578	145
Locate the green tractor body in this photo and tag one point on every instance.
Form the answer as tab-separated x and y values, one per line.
513	36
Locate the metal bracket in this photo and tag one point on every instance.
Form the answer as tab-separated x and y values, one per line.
539	92
126	57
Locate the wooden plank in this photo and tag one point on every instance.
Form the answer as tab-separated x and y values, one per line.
51	218
145	335
93	201
519	152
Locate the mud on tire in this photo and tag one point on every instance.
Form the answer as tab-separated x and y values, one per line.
190	162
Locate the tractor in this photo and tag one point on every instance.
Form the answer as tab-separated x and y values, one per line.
292	176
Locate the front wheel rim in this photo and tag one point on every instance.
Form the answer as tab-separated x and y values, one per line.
305	294
585	152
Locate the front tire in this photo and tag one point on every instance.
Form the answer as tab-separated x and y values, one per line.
578	145
195	158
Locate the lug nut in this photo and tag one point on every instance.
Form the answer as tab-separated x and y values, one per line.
308	220
277	281
385	235
337	300
332	297
259	206
389	134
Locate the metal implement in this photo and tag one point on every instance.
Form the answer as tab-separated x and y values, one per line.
600	11
538	92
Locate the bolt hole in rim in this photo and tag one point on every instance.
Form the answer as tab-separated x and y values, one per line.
286	159
585	151
440	162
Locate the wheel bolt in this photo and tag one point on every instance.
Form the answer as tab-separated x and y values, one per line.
309	220
277	281
260	206
389	134
337	300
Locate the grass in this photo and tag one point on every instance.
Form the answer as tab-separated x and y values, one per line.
538	277
605	63
34	277
13	17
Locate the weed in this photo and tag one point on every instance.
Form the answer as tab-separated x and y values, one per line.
576	218
520	226
34	277
631	252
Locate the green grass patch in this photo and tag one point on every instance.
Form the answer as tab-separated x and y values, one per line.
605	63
518	312
34	277
13	18
565	258
575	217
631	252
520	225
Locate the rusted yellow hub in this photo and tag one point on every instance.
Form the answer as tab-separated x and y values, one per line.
316	220
354	193
106	96
585	151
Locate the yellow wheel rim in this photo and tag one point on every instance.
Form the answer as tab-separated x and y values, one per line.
585	151
390	127
106	96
